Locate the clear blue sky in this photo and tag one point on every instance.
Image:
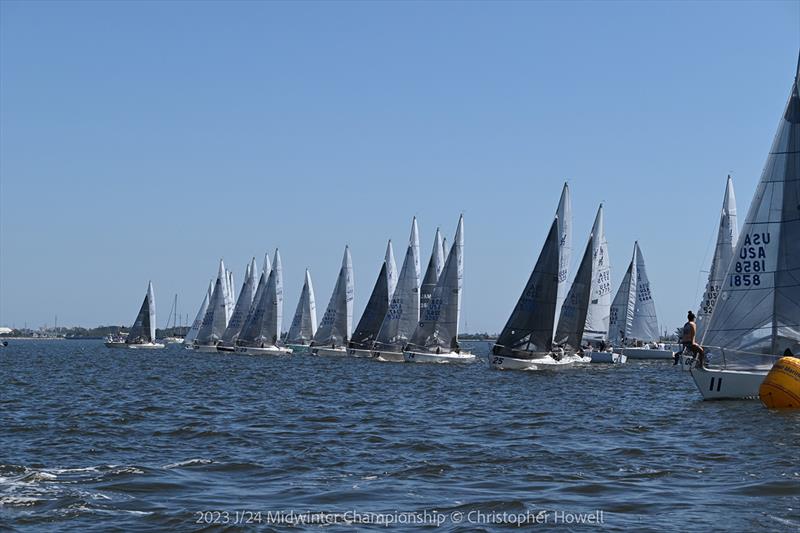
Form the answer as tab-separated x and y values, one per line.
146	140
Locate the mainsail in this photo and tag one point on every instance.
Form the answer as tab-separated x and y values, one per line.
278	268
402	314
242	307
645	323
727	235
530	326
262	325
758	309
432	273
304	323
623	306
564	214
215	321
373	314
143	330
337	322
391	269
438	326
572	319
191	335
597	312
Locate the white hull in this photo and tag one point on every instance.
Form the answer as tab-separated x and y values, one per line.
116	344
335	352
146	346
267	350
728	384
647	353
445	357
204	347
358	352
173	340
608	357
544	362
389	357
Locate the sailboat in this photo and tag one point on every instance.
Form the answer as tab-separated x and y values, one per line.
756	317
361	342
241	309
402	314
173	317
216	318
727	234
435	340
260	334
191	335
526	340
143	332
334	330
585	312
633	327
304	323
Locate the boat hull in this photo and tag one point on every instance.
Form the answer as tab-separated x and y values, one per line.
608	357
716	384
389	357
359	352
267	350
146	346
122	345
229	349
332	352
204	347
544	362
647	353
444	357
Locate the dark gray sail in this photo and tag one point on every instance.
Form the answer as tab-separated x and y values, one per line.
143	330
572	321
530	327
432	273
262	325
371	319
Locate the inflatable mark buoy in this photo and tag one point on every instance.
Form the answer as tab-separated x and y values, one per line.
781	387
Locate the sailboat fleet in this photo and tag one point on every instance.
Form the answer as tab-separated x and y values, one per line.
748	315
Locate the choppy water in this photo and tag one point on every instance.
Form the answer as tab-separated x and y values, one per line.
94	439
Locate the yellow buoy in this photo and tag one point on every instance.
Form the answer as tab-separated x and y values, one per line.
781	387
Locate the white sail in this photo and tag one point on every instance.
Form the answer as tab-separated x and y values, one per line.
727	234
438	326
143	330
597	314
623	306
241	309
530	326
337	322
191	335
262	325
215	320
432	273
758	309
278	268
304	324
645	322
391	269
564	214
402	315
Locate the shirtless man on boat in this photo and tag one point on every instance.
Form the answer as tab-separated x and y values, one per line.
688	340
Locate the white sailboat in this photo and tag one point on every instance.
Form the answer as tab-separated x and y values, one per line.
260	334
191	335
241	309
361	342
635	329
304	324
216	318
526	340
143	332
334	330
727	235
173	316
402	315
757	314
435	339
